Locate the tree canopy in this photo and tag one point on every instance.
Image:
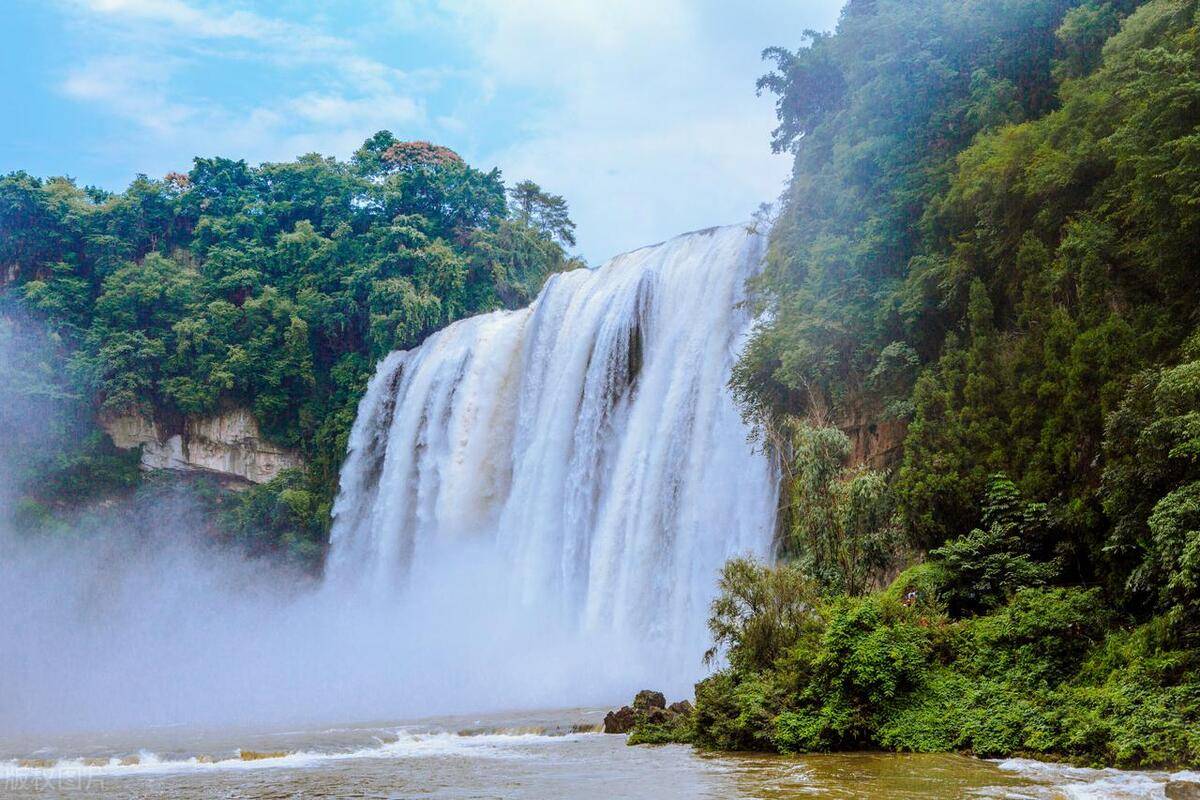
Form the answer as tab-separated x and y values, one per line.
275	287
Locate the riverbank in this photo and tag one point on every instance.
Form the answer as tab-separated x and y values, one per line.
1049	674
650	721
513	756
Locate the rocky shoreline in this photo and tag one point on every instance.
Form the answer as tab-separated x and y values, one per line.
651	721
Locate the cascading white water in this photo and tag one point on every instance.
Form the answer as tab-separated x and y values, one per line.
587	446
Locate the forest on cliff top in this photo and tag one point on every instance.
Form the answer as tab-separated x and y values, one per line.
275	288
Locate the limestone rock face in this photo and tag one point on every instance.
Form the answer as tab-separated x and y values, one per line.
226	444
875	442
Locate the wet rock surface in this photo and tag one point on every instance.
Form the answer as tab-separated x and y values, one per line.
619	721
650	720
647	699
1182	790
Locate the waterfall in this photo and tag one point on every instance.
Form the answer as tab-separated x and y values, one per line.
581	458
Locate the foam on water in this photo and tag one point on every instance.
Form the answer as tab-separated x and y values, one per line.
1082	783
526	746
399	744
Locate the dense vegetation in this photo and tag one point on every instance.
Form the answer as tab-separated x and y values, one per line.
274	287
989	240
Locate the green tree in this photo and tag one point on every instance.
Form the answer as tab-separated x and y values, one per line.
272	287
546	213
840	528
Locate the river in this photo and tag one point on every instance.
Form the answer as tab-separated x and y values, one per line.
514	756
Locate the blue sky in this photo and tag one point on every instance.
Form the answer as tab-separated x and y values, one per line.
642	113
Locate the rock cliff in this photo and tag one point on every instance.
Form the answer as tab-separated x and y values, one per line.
227	444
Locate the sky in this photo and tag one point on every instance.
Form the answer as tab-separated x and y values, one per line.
642	113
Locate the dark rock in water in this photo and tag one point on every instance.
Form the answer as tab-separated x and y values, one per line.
655	716
619	721
651	721
682	707
1183	790
647	699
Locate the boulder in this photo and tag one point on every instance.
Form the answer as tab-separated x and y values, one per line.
647	699
682	707
655	716
619	721
650	719
1183	790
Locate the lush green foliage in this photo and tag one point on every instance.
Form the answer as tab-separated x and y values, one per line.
1048	673
1018	286
760	613
282	514
1072	238
838	520
983	569
53	455
273	287
991	236
990	230
1151	485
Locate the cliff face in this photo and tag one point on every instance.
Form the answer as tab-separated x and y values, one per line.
227	444
877	443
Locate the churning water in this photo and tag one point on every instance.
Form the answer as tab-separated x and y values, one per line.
580	461
531	756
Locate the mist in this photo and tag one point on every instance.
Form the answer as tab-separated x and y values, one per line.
125	626
534	512
130	615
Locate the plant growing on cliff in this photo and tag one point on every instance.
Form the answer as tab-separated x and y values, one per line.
984	569
839	519
54	455
1152	485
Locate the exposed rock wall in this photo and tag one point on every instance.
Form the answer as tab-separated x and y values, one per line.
876	443
227	444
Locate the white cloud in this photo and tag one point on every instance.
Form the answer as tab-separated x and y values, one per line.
557	42
332	109
131	88
184	21
653	127
642	114
343	98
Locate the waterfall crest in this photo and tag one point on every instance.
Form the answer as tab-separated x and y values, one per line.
587	446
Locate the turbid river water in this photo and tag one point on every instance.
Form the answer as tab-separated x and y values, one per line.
526	755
